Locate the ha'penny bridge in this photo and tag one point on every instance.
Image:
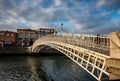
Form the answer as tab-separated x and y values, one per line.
98	55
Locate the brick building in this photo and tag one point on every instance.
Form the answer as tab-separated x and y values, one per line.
8	38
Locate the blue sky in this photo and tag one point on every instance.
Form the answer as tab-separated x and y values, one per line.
78	16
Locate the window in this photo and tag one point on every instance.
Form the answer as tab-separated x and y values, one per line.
30	35
1	33
41	30
8	34
12	35
21	35
26	35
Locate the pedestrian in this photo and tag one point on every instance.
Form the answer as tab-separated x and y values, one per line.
23	44
97	39
31	42
2	44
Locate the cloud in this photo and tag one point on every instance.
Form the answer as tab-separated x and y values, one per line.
101	3
58	2
118	11
78	16
10	26
109	4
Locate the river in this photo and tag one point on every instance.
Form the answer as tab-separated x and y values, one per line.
41	68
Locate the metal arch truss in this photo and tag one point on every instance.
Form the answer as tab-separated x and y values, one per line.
90	61
93	62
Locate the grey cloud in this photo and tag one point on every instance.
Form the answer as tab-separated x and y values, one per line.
10	26
79	16
109	4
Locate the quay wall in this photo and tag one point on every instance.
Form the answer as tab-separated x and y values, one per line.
23	51
12	50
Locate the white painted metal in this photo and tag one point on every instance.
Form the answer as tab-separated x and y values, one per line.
82	49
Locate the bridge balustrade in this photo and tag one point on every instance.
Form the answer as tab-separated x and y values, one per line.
91	42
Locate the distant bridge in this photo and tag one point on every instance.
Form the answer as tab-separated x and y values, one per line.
90	52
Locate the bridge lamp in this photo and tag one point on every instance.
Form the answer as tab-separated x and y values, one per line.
62	26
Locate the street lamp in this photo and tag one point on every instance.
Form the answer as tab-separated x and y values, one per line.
62	26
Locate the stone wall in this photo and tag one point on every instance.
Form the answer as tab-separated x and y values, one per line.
12	50
115	45
113	62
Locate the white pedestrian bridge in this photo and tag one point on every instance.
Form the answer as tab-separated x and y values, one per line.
89	51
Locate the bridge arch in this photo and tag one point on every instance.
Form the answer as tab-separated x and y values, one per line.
92	62
38	48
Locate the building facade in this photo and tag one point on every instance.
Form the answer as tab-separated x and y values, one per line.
44	31
26	37
8	38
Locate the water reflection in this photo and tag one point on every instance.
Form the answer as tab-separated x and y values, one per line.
22	68
33	68
29	68
13	69
64	69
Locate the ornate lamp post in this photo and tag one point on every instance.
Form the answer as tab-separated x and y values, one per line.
62	26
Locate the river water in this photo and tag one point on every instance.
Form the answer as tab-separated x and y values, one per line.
41	68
